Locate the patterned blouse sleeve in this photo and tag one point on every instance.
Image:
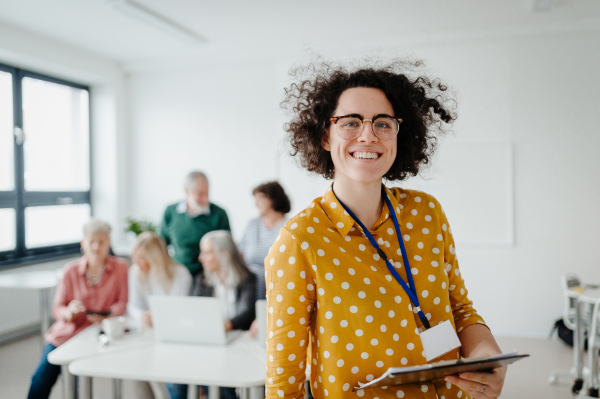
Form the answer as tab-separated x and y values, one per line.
462	307
290	300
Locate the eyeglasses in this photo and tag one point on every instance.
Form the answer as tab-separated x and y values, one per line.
351	126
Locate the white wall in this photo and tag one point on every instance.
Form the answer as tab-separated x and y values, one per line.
537	93
22	49
219	120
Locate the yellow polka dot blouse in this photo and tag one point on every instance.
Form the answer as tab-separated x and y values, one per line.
334	305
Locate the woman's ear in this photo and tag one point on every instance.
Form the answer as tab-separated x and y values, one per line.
325	141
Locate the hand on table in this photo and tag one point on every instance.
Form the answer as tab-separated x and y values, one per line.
74	308
228	325
147	318
96	318
480	385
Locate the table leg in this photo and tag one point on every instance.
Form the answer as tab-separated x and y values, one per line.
593	386
44	310
85	386
245	393
68	383
193	391
213	392
593	353
256	393
117	387
578	348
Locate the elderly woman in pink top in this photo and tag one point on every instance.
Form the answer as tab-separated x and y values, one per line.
93	287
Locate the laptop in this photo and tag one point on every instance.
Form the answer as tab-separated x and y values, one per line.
261	317
189	319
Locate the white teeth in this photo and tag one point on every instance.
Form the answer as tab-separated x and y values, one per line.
365	155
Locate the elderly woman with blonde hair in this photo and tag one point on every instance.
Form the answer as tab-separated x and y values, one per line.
153	273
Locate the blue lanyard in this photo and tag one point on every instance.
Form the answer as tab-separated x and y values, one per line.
410	291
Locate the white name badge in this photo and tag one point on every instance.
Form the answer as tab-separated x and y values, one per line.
439	340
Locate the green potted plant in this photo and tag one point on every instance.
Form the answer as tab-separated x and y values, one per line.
139	226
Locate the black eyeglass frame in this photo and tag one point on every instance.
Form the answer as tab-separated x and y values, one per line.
335	120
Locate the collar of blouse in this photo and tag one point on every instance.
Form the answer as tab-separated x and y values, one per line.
343	222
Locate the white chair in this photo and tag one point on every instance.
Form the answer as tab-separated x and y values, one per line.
593	346
568	281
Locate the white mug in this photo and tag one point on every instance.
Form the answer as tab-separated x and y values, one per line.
114	327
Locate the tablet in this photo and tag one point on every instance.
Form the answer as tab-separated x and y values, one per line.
434	371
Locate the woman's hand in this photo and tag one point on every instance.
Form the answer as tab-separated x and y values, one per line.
480	385
147	318
96	318
478	341
74	308
228	325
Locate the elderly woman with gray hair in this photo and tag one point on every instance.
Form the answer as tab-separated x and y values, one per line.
227	278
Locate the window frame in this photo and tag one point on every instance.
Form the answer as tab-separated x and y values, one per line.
19	199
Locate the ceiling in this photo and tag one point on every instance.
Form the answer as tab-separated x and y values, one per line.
242	28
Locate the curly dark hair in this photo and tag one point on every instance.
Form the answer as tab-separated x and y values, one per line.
273	191
420	101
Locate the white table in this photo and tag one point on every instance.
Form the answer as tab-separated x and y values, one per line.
85	345
239	364
41	280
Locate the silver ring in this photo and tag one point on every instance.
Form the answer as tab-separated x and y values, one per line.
483	389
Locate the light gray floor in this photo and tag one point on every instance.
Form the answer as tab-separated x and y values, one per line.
526	379
18	361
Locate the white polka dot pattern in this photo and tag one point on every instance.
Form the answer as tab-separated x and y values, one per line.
326	282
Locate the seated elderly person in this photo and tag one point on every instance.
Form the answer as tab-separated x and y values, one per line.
92	288
226	278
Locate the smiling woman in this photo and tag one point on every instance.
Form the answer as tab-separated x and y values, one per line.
421	103
366	277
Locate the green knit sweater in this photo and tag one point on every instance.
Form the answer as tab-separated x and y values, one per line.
184	233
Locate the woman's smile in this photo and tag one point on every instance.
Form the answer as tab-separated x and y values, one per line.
366	155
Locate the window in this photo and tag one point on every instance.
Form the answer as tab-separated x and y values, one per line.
44	166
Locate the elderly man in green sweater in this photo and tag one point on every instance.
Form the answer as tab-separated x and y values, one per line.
186	222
